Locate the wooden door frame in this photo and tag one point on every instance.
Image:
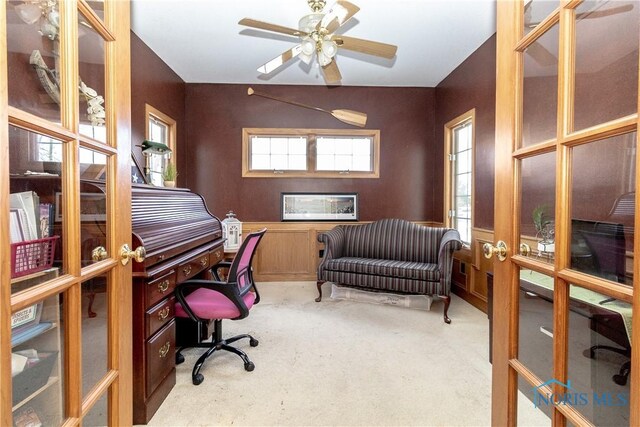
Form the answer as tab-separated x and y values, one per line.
119	335
505	313
504	387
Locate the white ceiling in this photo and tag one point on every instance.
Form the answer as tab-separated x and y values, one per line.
203	43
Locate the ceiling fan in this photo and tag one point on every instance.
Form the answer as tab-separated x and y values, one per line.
541	54
318	38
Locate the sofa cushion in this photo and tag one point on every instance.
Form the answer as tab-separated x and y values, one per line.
386	268
393	239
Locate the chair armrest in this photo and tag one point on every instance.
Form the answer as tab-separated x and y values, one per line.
333	244
215	268
449	243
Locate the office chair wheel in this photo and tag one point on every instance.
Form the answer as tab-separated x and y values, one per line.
197	379
179	358
253	342
620	379
249	366
590	353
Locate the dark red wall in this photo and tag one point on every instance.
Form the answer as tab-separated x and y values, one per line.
471	85
216	114
154	83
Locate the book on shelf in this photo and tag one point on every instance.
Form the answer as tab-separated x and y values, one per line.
46	219
29	202
16	229
25	334
27	418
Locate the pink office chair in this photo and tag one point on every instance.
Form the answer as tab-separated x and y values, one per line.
205	300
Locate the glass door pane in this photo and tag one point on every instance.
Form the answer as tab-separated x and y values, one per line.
35	167
32	57
606	76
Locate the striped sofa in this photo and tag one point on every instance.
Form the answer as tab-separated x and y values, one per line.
392	255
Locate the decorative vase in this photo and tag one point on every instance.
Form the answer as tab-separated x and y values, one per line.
170	184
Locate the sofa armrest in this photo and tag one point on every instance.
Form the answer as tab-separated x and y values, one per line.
450	242
333	244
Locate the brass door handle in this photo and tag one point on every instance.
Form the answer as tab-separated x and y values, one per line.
499	250
99	253
525	250
137	255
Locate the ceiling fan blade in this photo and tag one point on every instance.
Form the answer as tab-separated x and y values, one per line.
351	117
248	22
331	72
365	46
338	15
541	55
279	60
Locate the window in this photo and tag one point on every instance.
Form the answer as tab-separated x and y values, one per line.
459	137
312	153
160	128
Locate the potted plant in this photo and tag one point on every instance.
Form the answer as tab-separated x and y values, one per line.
544	229
169	175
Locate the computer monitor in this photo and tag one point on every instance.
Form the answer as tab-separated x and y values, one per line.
598	248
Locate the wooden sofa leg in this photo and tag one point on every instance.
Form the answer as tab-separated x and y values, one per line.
447	301
319	284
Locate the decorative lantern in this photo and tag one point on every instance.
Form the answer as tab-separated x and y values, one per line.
232	232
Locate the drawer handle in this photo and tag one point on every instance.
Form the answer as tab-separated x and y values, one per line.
187	270
217	254
163	314
163	286
164	350
204	262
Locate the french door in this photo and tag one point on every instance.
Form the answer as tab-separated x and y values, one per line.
566	299
65	302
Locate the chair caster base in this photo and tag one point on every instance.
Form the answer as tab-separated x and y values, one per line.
249	366
197	379
179	359
620	379
253	342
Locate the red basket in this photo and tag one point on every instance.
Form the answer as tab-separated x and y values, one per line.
32	256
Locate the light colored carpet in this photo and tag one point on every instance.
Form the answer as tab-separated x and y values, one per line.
341	362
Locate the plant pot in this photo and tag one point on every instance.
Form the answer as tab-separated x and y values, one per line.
548	247
170	184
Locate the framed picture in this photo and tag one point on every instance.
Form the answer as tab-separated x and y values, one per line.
319	207
137	176
93	207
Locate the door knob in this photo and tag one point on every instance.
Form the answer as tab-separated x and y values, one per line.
137	255
499	250
525	250
99	253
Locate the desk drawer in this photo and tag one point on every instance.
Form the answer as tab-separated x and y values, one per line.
159	288
160	355
192	267
216	255
157	316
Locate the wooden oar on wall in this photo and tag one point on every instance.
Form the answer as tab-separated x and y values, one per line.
351	117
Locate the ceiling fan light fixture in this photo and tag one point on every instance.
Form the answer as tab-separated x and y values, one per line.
309	22
324	59
308	46
329	47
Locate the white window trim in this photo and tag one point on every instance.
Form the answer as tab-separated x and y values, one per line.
247	133
153	113
449	128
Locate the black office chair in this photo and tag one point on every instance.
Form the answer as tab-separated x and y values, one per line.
206	300
607	248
